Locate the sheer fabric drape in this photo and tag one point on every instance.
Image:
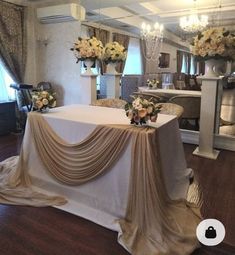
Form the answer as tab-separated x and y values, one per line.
13	39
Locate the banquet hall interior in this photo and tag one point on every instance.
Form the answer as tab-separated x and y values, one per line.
80	172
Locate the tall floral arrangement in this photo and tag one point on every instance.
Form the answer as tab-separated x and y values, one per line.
87	48
142	110
214	43
114	52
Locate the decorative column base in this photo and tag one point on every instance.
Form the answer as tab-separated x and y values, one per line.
207	154
88	89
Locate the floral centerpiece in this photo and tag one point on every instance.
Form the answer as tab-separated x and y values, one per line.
152	83
141	110
42	100
214	43
87	48
114	52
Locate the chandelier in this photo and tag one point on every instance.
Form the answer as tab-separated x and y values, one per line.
152	38
193	23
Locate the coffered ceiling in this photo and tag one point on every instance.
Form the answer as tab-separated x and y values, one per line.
129	14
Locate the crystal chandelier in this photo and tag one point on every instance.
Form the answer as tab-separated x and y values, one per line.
193	23
152	38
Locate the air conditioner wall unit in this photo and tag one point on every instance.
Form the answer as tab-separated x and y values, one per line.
61	13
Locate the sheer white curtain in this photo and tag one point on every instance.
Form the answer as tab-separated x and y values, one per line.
6	93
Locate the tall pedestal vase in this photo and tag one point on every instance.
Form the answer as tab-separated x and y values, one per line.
111	68
213	68
89	63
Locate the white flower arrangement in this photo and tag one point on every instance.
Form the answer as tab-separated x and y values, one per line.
87	48
114	52
142	110
153	84
214	43
42	100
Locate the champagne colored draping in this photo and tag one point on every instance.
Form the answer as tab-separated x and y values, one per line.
123	40
154	224
13	39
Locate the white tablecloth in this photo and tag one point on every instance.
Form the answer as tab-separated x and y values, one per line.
104	199
171	92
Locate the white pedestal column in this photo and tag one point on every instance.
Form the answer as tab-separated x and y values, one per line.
88	89
209	115
112	85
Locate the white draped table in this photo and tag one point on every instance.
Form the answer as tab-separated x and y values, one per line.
105	199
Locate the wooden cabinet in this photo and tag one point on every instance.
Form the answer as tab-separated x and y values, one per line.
7	117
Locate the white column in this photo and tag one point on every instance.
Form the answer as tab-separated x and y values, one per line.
88	89
112	83
209	117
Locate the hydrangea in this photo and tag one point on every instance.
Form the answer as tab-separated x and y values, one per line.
87	48
214	43
114	52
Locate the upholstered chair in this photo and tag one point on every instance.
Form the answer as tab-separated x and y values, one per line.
172	109
191	105
110	102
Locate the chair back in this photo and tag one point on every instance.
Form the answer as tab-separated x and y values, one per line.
191	105
110	102
154	98
43	85
23	96
129	84
172	109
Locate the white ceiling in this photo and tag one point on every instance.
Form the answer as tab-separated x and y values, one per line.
129	14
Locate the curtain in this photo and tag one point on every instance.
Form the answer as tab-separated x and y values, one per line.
13	39
103	36
179	60
201	67
188	62
124	40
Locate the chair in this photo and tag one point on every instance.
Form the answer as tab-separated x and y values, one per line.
110	102
129	85
172	109
156	99
24	103
43	85
23	96
191	105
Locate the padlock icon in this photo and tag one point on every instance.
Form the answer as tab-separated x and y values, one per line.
210	233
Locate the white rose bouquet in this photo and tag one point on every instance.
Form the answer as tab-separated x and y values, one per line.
214	43
43	100
88	48
153	84
142	110
114	52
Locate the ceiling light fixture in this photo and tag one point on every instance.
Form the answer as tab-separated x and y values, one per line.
193	23
152	38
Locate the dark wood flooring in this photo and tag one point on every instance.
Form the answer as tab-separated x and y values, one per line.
49	231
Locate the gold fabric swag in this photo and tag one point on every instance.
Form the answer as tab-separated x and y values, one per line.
154	224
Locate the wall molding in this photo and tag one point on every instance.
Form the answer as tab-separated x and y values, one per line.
224	142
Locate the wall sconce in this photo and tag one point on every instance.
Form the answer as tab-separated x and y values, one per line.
43	40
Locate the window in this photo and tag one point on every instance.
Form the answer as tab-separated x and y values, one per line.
6	93
133	63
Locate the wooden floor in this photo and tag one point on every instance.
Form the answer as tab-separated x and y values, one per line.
49	231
